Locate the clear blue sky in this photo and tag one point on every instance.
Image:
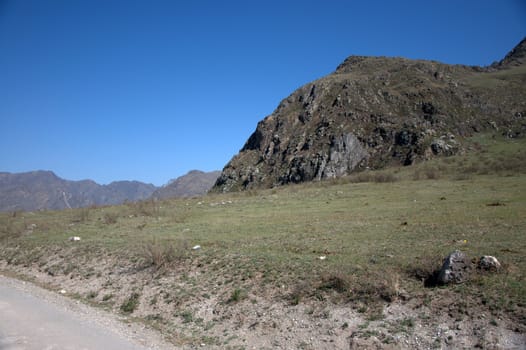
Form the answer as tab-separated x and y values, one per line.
148	90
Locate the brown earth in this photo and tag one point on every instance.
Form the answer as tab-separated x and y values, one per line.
265	320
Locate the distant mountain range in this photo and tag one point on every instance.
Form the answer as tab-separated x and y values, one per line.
37	190
194	183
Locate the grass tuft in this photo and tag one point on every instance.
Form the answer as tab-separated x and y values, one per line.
161	254
130	304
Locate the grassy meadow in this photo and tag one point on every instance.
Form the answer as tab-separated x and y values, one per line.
365	240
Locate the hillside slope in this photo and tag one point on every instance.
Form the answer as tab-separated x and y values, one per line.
376	111
194	183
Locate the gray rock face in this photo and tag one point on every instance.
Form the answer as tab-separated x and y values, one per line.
345	154
456	269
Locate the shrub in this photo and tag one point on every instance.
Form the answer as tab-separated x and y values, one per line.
385	177
10	227
379	177
236	296
187	316
338	282
82	215
110	218
432	173
131	303
161	254
145	208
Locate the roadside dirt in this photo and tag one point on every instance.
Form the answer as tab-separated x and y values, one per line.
191	315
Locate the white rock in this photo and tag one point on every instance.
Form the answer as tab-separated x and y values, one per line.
323	257
74	238
488	262
196	247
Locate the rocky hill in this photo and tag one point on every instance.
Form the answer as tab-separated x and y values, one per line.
194	183
376	111
44	190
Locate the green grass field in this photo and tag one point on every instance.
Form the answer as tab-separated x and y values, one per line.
381	234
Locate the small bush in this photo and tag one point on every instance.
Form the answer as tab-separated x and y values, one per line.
131	303
301	290
429	173
82	215
375	287
432	173
379	177
161	254
10	228
145	208
462	177
110	218
337	282
187	316
385	177
236	296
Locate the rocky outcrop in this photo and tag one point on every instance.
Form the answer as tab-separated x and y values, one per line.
376	111
515	57
456	268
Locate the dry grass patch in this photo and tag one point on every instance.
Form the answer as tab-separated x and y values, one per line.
161	254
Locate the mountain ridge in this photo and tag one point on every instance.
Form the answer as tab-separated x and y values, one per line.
44	190
193	183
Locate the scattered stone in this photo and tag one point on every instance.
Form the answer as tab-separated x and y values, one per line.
489	263
196	247
456	268
323	257
444	146
62	291
74	238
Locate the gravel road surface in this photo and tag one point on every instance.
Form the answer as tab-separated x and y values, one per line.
32	318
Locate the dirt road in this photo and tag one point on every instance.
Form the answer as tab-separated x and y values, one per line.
33	318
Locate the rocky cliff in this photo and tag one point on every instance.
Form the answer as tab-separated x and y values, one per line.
376	111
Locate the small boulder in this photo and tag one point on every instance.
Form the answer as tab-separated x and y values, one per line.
74	238
456	268
489	263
